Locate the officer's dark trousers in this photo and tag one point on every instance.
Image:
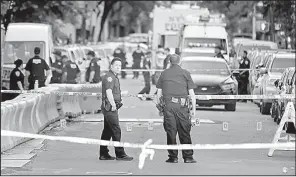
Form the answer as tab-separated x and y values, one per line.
136	65
123	73
111	129
176	120
243	87
147	87
40	84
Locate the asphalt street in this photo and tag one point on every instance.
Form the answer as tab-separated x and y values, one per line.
63	158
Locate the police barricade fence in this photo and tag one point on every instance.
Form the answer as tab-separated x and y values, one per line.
29	113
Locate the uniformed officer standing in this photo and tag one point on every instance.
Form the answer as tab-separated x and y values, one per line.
71	72
167	58
146	74
119	53
57	68
111	102
244	75
94	68
174	85
16	78
35	70
138	55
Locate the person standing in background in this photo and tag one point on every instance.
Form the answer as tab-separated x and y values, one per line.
71	72
16	78
138	55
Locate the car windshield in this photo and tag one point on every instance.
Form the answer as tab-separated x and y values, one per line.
202	43
21	50
282	63
206	67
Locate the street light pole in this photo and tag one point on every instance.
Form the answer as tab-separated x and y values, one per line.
254	21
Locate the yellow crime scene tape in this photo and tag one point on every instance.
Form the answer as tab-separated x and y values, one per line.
200	97
147	147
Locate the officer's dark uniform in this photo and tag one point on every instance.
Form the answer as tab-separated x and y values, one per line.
137	57
36	67
111	121
58	64
175	83
121	54
244	76
166	61
15	76
146	75
94	66
72	70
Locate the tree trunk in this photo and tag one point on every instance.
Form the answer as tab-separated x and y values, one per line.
107	7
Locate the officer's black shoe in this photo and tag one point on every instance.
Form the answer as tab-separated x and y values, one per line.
172	160
191	160
125	158
106	157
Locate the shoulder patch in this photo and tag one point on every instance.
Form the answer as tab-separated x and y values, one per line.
109	79
17	73
92	64
59	63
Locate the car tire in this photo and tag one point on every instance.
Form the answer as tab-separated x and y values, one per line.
265	108
230	107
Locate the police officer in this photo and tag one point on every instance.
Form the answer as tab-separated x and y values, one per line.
57	68
111	102
166	60
119	53
138	55
94	68
174	85
218	52
244	75
71	71
35	70
146	74
16	78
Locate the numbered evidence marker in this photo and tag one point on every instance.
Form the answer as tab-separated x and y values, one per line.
259	126
128	127
197	122
225	126
150	125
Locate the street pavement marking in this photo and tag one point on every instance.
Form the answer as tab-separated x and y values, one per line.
18	156
134	120
20	150
108	173
13	163
33	146
259	126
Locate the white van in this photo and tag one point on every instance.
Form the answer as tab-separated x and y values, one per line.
19	43
201	38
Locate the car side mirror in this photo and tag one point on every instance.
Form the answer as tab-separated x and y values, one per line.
276	83
263	70
177	51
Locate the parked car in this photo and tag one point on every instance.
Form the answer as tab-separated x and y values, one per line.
270	73
212	82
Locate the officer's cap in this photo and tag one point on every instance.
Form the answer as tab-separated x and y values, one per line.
37	50
91	53
115	59
245	52
64	57
175	59
57	52
18	62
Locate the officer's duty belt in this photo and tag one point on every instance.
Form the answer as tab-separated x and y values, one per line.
182	101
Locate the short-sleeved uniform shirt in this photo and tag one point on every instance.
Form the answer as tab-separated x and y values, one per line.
245	64
36	67
15	76
59	65
72	70
94	66
137	56
175	82
111	81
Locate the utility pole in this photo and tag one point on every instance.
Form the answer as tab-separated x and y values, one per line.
254	21
271	15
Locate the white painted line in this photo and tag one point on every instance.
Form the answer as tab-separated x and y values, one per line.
33	146
20	150
133	120
18	156
13	163
225	126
